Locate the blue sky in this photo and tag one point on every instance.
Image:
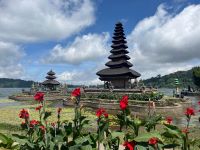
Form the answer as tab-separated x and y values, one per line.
73	37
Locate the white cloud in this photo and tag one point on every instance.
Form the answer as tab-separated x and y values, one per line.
10	56
86	77
84	48
38	20
163	43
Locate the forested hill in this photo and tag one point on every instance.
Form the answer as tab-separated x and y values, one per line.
14	83
184	77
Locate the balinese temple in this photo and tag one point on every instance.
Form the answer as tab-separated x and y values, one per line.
50	83
118	73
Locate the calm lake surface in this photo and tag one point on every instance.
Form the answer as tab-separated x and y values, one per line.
5	92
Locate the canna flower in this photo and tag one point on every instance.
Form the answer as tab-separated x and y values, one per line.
33	123
76	92
100	112
186	130
105	115
59	110
169	120
129	145
153	141
124	102
24	114
38	108
189	112
39	96
42	128
53	124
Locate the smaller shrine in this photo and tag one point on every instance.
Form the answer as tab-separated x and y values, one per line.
50	84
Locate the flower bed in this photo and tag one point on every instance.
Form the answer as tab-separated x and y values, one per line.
44	135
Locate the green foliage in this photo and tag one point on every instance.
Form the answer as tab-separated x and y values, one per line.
7	142
196	76
14	83
185	78
140	97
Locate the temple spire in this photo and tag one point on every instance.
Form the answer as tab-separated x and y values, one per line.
118	72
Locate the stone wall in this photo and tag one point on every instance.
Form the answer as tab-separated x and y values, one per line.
139	110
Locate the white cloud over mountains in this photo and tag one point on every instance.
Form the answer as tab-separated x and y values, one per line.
83	48
164	43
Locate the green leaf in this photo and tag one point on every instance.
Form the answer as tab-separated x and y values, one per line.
146	136
46	115
86	147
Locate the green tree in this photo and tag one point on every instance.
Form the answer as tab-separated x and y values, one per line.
196	76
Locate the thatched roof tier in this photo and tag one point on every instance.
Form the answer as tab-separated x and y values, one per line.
50	82
50	77
119	51
119	56
51	73
114	72
120	63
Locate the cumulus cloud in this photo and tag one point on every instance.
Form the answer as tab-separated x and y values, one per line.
37	20
165	42
86	77
83	48
10	54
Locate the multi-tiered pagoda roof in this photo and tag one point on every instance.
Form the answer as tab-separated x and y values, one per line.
50	79
118	66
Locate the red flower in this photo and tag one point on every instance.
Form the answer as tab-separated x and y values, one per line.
100	112
38	108
153	141
33	123
23	123
53	124
39	96
169	120
129	145
186	130
76	92
24	114
105	115
199	102
42	128
124	102
189	111
59	110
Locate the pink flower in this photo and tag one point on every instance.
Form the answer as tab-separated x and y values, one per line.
39	96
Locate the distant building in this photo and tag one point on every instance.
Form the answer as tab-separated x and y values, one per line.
50	83
119	74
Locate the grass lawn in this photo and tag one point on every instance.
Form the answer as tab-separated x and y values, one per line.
10	121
